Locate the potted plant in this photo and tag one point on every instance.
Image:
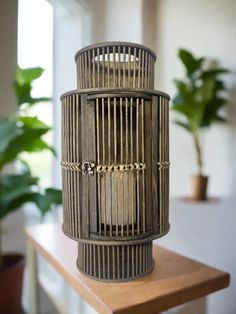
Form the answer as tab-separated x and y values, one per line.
20	133
198	102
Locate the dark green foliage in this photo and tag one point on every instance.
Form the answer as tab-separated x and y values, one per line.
200	95
25	137
16	190
23	86
8	131
18	134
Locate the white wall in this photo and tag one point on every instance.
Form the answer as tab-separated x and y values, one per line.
112	20
207	28
205	232
68	38
124	20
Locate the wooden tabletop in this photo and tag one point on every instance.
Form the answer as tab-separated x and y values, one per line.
175	279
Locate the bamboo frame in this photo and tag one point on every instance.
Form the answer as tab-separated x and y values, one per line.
118	65
115	161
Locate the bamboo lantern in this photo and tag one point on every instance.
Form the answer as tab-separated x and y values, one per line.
115	161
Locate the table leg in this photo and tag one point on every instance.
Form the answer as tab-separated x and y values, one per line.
33	278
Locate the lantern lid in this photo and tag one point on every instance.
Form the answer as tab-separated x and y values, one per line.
116	44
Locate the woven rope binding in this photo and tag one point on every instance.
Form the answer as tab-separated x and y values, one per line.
76	166
163	165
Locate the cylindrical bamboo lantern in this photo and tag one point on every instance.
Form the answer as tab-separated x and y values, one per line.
115	161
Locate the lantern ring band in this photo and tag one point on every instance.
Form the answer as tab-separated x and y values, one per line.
88	167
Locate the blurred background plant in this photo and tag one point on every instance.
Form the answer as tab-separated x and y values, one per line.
22	133
198	103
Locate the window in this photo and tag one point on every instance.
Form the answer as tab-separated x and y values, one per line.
49	34
35	47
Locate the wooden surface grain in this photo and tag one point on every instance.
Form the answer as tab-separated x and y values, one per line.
175	279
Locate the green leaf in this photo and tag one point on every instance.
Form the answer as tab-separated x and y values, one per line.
16	190
29	139
184	89
211	111
204	92
17	203
24	134
23	93
184	93
191	64
184	125
184	102
26	76
184	109
32	122
219	86
212	73
23	86
34	101
28	144
220	119
13	187
8	131
47	199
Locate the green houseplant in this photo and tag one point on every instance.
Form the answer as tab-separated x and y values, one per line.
21	133
199	99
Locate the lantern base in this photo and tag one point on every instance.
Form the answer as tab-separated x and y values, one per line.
115	263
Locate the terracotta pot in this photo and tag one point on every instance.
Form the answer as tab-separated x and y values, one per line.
11	277
199	187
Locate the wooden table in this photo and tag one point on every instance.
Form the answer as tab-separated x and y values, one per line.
175	279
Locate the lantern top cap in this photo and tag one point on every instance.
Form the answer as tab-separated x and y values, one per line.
115	45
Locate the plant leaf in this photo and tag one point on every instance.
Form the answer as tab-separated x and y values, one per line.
13	187
204	92
47	199
32	122
23	93
26	76
16	203
24	134
8	131
220	119
191	64
34	101
213	72
23	86
29	139
184	125
211	111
